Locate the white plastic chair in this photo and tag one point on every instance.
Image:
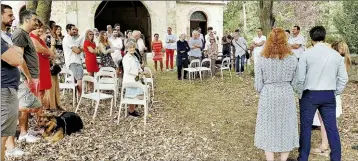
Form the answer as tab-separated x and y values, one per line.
69	83
95	95
192	68
105	80
225	65
85	72
134	101
150	80
202	68
108	84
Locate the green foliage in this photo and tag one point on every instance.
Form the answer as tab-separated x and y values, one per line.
346	22
234	18
340	18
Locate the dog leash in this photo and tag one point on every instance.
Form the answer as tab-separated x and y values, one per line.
65	124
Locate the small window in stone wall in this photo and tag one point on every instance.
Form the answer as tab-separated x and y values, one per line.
198	16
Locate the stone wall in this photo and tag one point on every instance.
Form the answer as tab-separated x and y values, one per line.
214	13
163	14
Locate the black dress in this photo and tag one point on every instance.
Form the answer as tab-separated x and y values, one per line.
182	57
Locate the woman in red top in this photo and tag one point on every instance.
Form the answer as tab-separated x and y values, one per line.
90	50
157	47
44	54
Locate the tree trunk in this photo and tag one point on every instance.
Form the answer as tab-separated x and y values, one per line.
31	5
43	11
267	20
245	18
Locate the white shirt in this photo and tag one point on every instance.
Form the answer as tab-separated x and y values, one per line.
321	68
116	42
96	40
240	51
80	40
202	37
70	57
173	45
131	68
299	39
258	39
140	45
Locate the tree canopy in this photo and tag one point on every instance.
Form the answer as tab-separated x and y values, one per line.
340	18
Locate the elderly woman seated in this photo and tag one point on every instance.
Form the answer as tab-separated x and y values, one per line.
131	71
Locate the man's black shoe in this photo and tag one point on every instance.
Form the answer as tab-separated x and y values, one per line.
134	113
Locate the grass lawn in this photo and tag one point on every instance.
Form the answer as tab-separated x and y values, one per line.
203	120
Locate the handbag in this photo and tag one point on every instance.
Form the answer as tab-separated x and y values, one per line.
55	69
247	54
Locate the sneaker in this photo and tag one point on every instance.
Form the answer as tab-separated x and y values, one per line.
28	138
16	152
35	132
167	70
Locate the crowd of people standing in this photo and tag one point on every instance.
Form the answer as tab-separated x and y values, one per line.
283	66
40	51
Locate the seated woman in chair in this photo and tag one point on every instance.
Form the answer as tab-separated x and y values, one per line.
131	69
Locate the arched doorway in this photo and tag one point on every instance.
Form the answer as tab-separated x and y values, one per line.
131	15
198	19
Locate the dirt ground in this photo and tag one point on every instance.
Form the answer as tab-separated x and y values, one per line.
204	120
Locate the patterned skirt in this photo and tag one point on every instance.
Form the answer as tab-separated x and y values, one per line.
276	124
107	61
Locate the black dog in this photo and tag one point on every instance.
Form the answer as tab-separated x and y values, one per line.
57	126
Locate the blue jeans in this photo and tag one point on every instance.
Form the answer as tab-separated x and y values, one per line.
325	102
240	63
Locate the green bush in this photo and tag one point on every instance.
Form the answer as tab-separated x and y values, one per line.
346	22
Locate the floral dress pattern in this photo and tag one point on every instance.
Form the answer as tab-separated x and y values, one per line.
60	59
106	59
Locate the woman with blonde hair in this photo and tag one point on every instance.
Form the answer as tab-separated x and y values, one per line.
105	47
211	51
276	124
342	48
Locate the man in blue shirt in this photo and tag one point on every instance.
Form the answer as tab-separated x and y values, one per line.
11	57
195	45
321	76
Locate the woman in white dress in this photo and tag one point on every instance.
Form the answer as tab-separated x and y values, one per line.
131	69
342	48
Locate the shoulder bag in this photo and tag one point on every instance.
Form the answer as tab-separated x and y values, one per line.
247	54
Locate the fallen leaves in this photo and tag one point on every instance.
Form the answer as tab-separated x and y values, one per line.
203	120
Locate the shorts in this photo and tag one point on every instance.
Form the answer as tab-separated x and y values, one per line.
27	99
9	111
77	70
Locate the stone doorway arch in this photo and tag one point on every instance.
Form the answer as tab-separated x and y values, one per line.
131	15
198	19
